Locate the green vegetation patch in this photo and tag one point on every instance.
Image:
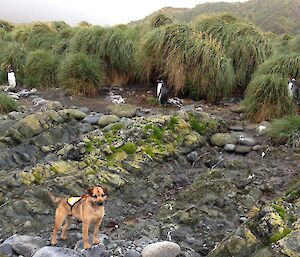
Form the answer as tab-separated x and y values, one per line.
279	235
7	104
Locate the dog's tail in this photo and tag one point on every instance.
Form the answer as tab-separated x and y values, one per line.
54	198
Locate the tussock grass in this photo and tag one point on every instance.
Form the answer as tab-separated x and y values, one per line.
160	20
267	98
182	54
79	74
245	44
286	65
285	130
41	69
7	104
13	55
115	46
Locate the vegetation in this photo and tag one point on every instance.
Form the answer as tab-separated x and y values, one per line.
285	130
41	69
247	46
278	16
267	98
183	54
7	104
79	74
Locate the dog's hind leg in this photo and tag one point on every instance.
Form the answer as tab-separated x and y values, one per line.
96	231
59	219
68	222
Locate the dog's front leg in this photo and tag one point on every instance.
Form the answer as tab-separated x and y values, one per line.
96	231
85	234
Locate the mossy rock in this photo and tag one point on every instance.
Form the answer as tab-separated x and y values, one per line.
62	167
107	119
122	110
29	126
222	139
76	114
54	116
113	179
290	245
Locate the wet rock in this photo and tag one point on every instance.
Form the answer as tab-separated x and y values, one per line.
222	139
107	119
50	251
161	249
236	128
242	149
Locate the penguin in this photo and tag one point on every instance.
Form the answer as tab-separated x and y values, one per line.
162	93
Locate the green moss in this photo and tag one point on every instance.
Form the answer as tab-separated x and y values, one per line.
149	151
110	137
7	103
153	101
173	123
279	235
129	148
157	132
89	147
196	125
116	127
280	210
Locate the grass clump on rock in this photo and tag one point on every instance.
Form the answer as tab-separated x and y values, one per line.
285	130
79	74
267	98
7	104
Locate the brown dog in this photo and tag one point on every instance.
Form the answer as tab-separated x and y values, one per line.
87	208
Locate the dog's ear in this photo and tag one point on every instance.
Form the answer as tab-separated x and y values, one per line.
105	190
90	191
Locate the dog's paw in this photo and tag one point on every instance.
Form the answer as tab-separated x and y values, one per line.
63	238
86	246
53	242
96	241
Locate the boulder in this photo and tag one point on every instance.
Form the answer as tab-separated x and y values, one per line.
50	251
161	249
76	114
29	126
122	110
222	139
242	149
107	119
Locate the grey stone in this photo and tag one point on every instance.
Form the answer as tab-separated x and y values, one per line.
132	253
27	245
242	149
92	119
249	141
236	128
229	147
193	156
161	249
50	251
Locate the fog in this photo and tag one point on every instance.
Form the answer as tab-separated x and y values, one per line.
108	12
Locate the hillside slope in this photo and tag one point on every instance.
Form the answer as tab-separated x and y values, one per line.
278	16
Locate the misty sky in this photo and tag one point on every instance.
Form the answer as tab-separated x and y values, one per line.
101	12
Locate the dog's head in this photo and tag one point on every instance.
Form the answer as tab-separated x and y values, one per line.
97	194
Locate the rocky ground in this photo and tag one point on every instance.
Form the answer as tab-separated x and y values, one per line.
196	175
